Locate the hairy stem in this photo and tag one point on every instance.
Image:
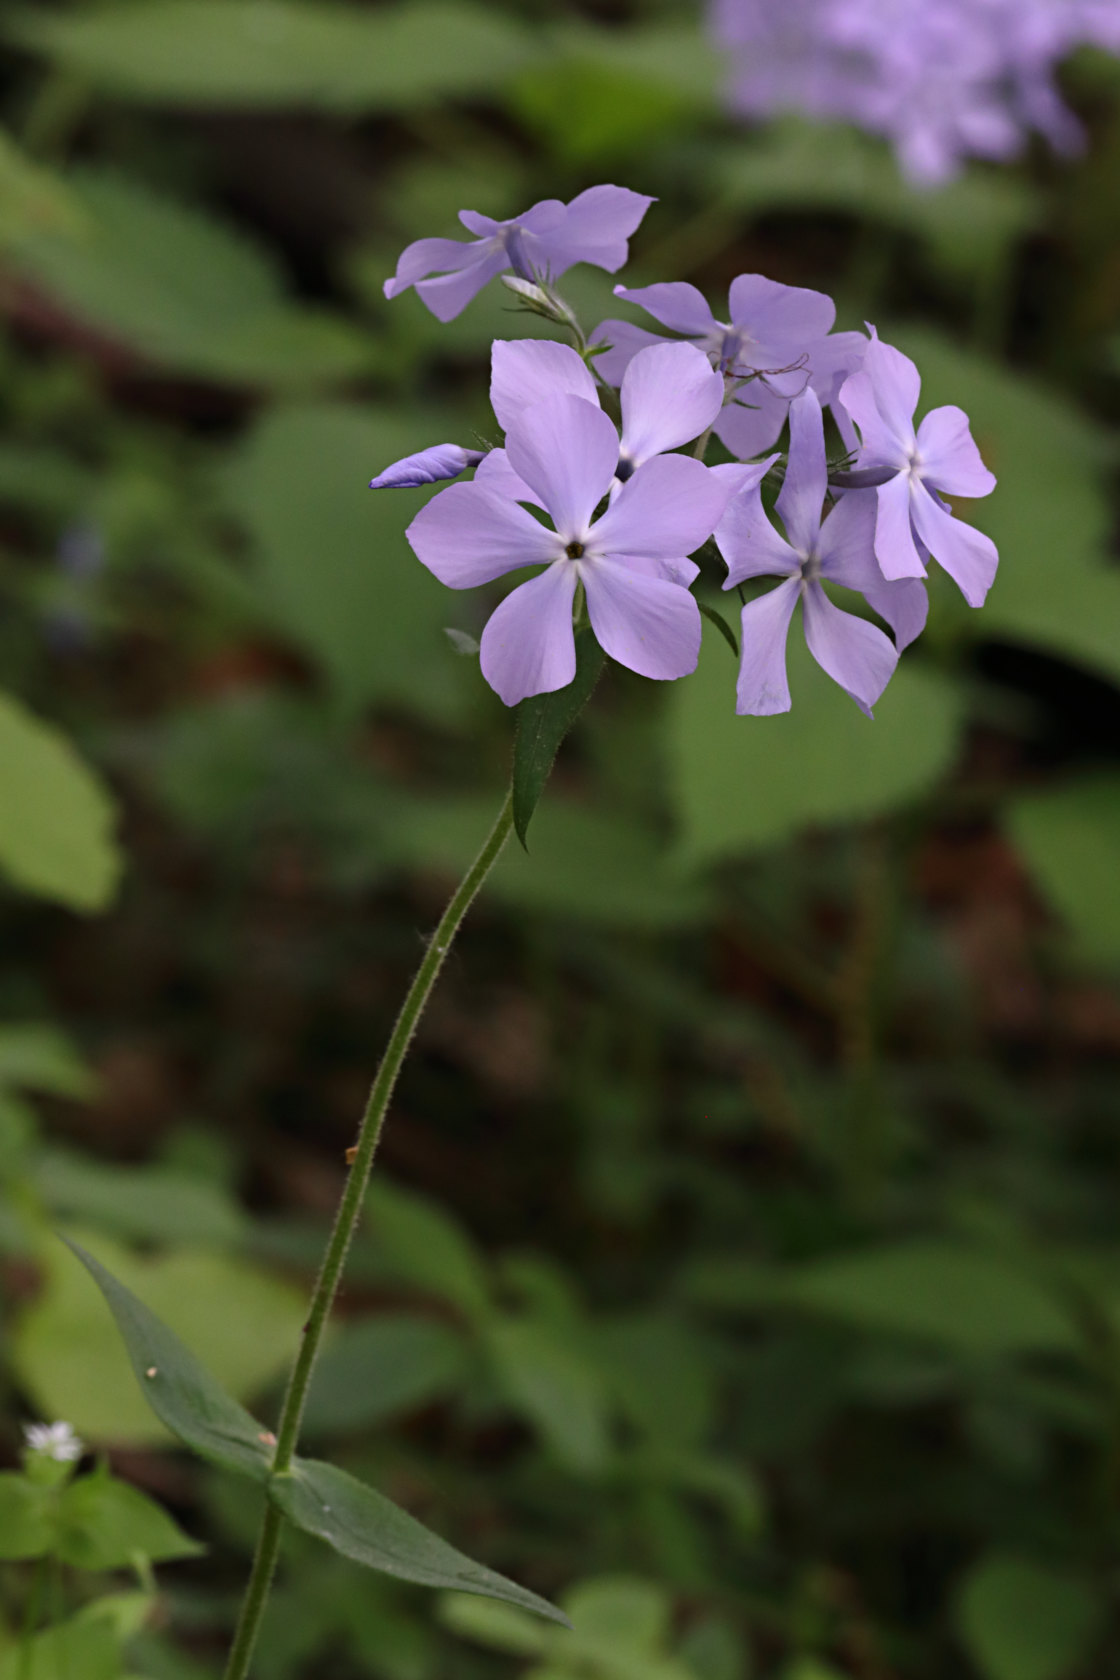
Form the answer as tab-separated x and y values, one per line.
359	1161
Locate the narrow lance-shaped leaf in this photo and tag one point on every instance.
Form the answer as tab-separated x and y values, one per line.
179	1389
365	1526
542	723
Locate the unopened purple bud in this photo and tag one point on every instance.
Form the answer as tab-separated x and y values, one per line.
430	466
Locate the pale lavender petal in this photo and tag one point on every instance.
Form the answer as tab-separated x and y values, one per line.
495	472
683	572
429	466
855	654
483	227
566	450
467	535
625	341
894	537
846	545
779	314
896	383
670	506
596	229
763	687
429	256
752	420
950	460
969	557
544	217
647	624
528	646
674	303
904	605
749	543
449	295
742	475
801	497
670	394
527	370
881	446
834	359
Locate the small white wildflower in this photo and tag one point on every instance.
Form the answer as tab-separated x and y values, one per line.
54	1440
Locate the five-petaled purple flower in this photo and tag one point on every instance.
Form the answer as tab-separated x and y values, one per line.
855	653
540	245
566	451
917	468
777	341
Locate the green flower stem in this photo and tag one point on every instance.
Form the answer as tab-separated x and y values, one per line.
346	1220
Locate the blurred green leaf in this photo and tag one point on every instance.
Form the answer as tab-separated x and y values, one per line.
32	198
502	1627
556	1387
660	1374
70	1358
56	817
36	1056
1023	1621
147	1204
26	1511
365	1526
380	1367
185	290
330	558
1070	839
104	1523
543	721
425	1245
262	53
85	1646
744	782
965	1298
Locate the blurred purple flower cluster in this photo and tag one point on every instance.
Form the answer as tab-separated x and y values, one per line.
612	514
941	79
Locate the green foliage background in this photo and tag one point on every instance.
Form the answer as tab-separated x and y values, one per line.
743	1266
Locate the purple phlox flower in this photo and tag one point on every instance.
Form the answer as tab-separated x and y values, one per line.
566	450
856	654
777	342
542	244
939	459
430	466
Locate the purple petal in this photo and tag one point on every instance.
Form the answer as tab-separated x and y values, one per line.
896	383
801	497
763	687
774	313
545	216
483	227
742	475
670	394
674	303
834	359
495	472
749	543
467	536
566	450
526	371
682	572
429	256
846	545
950	459
625	341
894	537
596	229
751	421
449	295
647	624
904	605
855	653
880	444
528	646
969	557
430	466
670	506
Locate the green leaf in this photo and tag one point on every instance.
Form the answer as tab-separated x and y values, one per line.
31	198
502	1627
276	53
963	1297
179	1389
1023	1621
365	1526
542	723
556	1388
745	782
1070	839
56	817
26	1510
184	289
146	1204
85	1646
37	1056
380	1367
104	1523
425	1245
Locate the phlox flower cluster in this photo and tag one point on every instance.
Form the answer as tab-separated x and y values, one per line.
942	82
590	486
